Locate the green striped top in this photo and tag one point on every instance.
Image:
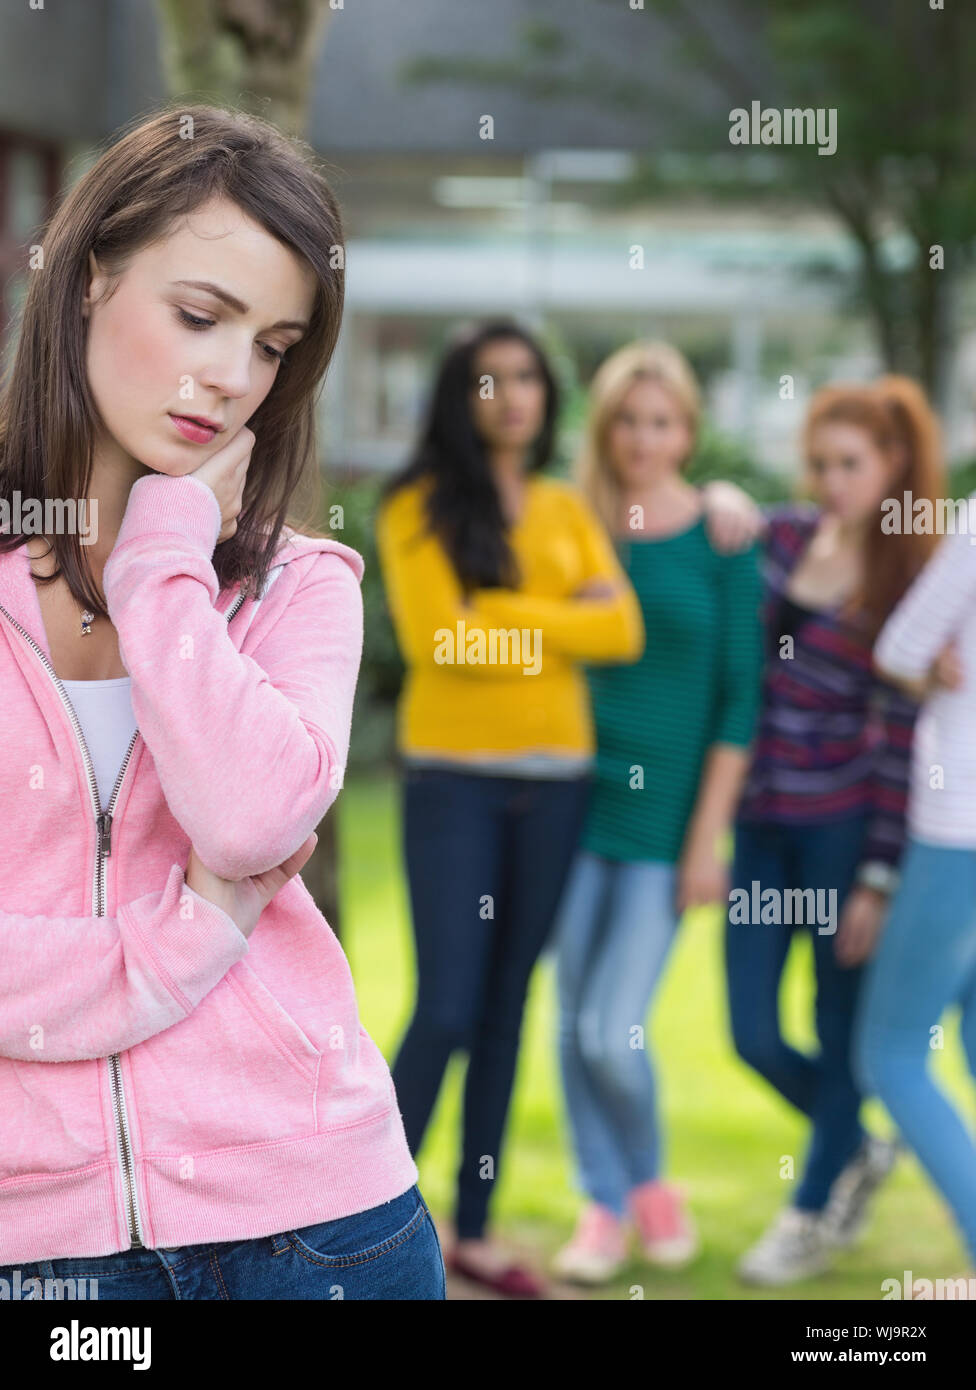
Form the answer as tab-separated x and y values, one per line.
697	684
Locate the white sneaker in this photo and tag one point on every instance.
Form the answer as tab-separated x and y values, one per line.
846	1211
793	1247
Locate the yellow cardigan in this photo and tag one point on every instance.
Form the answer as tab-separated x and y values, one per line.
501	675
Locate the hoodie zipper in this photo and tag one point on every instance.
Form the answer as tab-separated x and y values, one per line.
103	826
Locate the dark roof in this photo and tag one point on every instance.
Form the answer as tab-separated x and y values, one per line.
77	71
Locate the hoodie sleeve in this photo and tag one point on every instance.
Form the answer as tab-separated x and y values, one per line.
250	750
76	988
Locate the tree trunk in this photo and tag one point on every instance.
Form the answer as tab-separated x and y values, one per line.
254	54
258	55
934	316
320	873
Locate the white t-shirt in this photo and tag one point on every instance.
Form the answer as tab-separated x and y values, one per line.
940	607
104	710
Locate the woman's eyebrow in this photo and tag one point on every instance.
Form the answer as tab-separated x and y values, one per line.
236	304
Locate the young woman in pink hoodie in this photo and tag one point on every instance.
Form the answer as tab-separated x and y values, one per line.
189	1105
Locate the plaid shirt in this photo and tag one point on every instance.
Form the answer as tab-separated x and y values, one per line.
833	738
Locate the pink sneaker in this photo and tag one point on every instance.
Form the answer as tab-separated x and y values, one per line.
597	1249
666	1231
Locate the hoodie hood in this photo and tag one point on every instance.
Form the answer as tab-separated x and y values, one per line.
293	545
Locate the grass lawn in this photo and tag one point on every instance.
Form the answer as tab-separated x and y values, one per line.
727	1132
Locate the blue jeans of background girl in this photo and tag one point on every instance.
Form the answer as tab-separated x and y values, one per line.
486	859
389	1252
823	1087
615	926
924	964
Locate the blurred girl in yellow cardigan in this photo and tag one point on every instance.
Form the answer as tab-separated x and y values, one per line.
499	582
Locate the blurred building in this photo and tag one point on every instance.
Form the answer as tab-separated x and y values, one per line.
445	227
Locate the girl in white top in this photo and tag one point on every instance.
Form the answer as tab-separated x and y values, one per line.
926	960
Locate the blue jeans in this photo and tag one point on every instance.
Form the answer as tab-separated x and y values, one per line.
925	962
389	1252
486	861
614	930
797	856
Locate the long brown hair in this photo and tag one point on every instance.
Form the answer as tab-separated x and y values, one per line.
895	412
159	169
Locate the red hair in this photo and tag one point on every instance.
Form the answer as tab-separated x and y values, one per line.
896	413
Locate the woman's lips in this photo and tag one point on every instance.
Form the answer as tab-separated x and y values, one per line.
190	429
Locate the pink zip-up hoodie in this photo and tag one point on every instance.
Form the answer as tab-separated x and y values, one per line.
165	1080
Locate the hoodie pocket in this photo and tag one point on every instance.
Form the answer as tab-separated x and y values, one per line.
50	1117
281	1027
238	1070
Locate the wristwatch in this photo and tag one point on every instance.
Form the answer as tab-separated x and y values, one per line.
876	874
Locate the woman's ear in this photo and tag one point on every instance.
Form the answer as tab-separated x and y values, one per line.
95	279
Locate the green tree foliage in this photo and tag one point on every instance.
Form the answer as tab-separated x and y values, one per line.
903	178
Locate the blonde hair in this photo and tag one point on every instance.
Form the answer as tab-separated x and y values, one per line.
641	361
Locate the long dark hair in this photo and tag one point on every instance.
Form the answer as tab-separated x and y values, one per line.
162	167
463	506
